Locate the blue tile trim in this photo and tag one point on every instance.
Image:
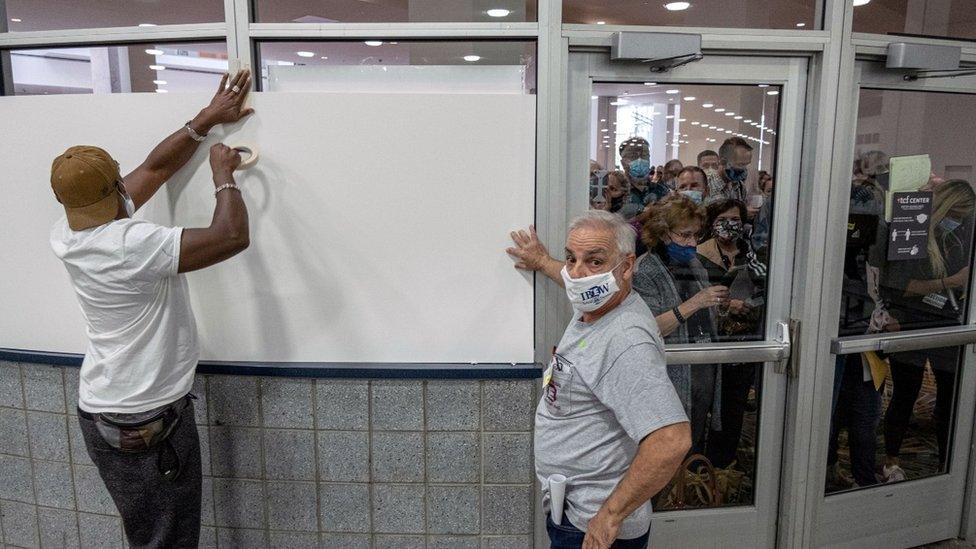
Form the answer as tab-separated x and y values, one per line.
348	370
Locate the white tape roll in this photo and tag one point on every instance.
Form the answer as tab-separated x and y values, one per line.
250	154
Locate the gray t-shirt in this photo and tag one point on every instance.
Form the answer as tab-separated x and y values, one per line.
606	388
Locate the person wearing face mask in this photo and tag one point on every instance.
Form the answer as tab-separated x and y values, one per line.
609	418
134	403
710	163
729	260
671	169
762	221
692	183
928	293
735	155
635	158
674	284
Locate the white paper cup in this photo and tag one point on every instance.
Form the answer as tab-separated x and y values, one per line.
557	496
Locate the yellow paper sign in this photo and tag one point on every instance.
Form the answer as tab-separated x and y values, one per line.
906	174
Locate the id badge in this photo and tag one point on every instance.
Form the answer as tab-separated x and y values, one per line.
935	300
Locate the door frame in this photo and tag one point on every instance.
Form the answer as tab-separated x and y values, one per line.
755	525
886	515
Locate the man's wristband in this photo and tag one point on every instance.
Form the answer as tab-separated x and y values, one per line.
193	133
227	186
678	315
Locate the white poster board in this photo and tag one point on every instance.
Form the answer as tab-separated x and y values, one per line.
378	224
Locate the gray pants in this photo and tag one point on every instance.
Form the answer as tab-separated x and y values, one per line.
155	512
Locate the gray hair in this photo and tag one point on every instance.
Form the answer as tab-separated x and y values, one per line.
623	233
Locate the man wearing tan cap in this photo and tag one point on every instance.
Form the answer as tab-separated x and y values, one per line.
134	401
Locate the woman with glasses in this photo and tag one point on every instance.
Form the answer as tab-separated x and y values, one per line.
674	284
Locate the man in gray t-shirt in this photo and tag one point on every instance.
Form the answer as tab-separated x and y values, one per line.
609	418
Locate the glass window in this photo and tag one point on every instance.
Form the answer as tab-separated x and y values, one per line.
910	226
37	15
939	18
712	144
896	424
399	66
739	14
395	11
161	68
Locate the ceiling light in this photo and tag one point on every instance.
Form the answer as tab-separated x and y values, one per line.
498	12
677	6
728	131
672	92
707	105
603	120
157	67
669	117
154	52
772	92
324	57
730	113
147	24
860	2
305	54
682	119
159	82
601	22
16	20
285	63
801	24
748	121
720	109
690	98
374	43
162	91
763	85
472	58
695	123
738	118
650	83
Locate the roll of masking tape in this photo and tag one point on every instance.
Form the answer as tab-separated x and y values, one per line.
250	154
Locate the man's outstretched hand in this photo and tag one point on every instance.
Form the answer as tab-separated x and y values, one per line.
227	105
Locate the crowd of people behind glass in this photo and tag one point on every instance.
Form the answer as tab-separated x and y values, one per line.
888	292
702	243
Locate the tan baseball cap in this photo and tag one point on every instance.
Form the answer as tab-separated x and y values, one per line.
83	179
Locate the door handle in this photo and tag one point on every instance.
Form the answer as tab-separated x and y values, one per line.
787	335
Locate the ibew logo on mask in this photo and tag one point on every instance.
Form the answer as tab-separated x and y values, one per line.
595	291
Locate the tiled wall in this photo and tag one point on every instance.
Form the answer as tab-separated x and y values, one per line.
291	463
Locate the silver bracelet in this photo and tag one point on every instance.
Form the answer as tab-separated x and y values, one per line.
227	186
193	133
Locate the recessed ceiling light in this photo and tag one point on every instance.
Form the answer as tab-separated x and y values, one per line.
498	12
690	98
738	118
604	130
472	58
324	57
16	20
772	92
305	54
720	109
147	24
672	92
159	82
669	117
730	114
157	67
601	22
721	129
677	6
154	52
603	120
728	131
860	2
707	105
748	121
650	83
763	85
695	123
285	63
162	91
801	24
682	119
374	43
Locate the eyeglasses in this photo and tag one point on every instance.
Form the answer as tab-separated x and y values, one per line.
685	236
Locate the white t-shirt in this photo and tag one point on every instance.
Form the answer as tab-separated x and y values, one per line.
142	350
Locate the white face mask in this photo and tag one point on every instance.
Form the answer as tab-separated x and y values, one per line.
589	293
130	206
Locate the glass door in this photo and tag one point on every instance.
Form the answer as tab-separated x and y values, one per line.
705	156
901	408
